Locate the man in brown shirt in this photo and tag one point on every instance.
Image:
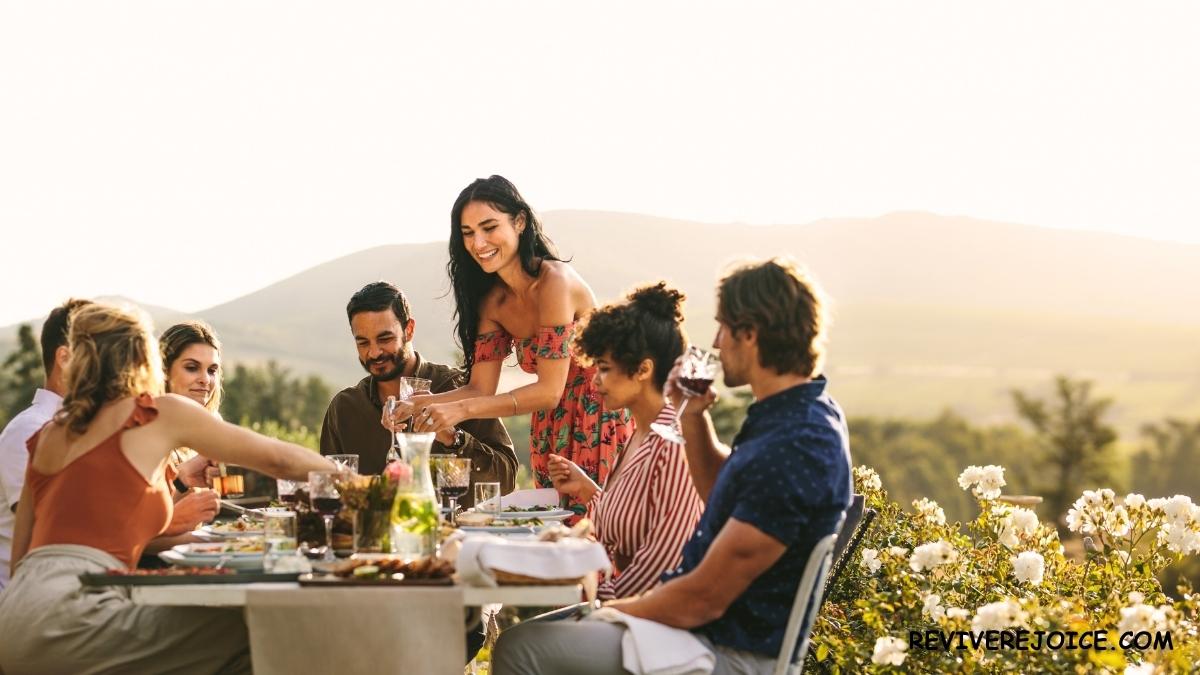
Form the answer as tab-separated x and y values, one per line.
383	330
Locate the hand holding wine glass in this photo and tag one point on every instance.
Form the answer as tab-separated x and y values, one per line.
690	379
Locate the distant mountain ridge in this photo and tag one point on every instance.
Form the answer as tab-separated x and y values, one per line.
929	311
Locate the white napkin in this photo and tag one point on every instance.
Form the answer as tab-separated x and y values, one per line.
570	558
650	648
528	498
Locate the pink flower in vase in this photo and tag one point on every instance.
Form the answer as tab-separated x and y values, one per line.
398	472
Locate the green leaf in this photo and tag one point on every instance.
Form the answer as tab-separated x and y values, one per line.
822	652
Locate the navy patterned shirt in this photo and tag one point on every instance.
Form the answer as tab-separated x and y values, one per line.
788	476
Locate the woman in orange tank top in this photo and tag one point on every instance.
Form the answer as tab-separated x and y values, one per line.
96	492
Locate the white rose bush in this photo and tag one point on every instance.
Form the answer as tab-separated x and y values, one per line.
1007	570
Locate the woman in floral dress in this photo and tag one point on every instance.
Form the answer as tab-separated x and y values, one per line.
512	292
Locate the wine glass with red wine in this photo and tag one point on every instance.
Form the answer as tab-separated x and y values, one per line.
453	478
326	500
696	375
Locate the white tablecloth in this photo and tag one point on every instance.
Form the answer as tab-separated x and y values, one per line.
378	630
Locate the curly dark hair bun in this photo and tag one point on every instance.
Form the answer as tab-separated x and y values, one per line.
659	300
645	325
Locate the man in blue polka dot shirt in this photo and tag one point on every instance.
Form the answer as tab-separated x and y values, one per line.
782	487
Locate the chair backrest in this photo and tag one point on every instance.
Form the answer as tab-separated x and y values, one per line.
855	540
805	606
849	525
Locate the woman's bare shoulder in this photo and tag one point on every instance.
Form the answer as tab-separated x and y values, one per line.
557	277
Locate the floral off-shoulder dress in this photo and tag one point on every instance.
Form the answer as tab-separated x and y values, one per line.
578	428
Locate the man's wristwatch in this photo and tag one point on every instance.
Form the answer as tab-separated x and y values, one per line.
180	486
460	439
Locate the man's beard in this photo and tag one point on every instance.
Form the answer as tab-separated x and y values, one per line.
398	360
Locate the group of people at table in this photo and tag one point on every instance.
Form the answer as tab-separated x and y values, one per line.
703	538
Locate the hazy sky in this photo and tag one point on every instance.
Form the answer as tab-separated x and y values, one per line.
184	154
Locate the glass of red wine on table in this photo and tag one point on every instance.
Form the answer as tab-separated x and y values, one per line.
696	375
453	478
287	491
326	500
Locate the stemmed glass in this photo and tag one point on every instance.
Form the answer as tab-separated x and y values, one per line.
326	500
409	387
345	462
696	375
453	478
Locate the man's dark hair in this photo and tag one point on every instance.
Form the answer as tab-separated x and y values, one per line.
376	297
56	328
784	305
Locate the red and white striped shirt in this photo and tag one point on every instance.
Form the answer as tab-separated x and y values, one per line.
644	517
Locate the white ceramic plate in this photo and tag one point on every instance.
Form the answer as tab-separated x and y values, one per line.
235	563
212	531
503	529
212	550
556	514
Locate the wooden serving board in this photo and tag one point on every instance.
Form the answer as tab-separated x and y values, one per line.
332	581
184	579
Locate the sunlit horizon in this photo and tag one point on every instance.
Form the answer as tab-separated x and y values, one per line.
170	155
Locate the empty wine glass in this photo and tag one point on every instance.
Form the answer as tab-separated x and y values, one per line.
345	462
453	478
409	387
325	499
696	375
389	409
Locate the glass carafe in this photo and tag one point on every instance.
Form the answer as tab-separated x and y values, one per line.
415	509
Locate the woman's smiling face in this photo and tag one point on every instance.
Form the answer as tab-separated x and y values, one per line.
490	235
196	373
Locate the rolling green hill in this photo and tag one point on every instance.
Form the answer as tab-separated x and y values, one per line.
930	311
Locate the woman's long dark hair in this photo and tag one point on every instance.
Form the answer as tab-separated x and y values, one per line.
469	281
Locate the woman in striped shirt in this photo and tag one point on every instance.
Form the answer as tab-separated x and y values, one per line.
648	507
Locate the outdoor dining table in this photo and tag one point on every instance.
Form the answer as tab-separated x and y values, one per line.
355	629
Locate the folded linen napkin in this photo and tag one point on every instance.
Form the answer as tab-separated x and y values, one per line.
481	554
530	498
650	648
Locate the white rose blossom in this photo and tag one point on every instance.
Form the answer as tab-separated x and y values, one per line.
1134	501
1116	521
1029	567
987	480
998	616
928	556
1139	617
1018	523
1139	669
1179	538
933	607
898	551
868	477
870	560
929	511
889	651
957	613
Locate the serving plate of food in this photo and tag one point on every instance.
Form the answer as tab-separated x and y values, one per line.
541	511
504	525
239	554
236	548
181	575
383	571
231	528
